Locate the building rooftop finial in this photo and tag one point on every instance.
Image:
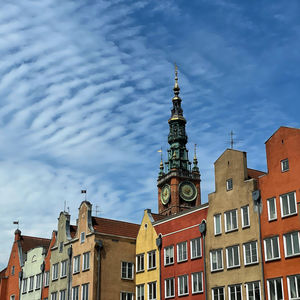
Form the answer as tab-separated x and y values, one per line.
176	86
195	168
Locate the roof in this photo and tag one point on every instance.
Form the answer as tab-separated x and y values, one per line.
73	230
157	217
30	242
280	128
252	173
2	273
114	227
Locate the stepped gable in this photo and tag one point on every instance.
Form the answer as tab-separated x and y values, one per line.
30	242
252	173
114	227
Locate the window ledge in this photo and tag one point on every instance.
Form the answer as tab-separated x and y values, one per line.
195	293
85	270
218	234
54	279
140	271
126	278
61	277
171	264
77	272
245	227
272	259
272	220
218	270
292	255
183	295
150	269
231	230
181	261
251	264
233	267
196	257
289	215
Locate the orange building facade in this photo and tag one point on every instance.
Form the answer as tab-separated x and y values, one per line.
280	219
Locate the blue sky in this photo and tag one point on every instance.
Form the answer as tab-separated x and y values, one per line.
86	88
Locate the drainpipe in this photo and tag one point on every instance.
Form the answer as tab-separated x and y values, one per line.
70	252
202	229
159	245
258	203
42	279
98	246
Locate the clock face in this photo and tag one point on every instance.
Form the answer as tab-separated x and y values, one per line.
187	191
165	194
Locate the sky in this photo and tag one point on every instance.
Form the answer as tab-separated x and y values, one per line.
86	89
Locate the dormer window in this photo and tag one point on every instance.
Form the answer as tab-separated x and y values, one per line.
82	237
229	184
284	165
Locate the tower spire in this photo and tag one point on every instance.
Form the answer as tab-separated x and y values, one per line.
195	167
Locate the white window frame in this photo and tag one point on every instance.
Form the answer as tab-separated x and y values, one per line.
151	260
127	265
284	167
85	288
152	291
184	279
297	287
231	212
272	246
64	293
24	285
275	284
86	261
46	278
128	295
217	216
76	264
140	288
54	296
229	184
198	277
182	252
31	283
252	284
230	251
82	237
140	262
217	289
169	253
38	281
169	287
242	216
55	271
215	252
269	211
198	247
297	234
75	296
250	244
234	286
63	268
288	204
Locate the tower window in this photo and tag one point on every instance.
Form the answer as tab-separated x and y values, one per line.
284	165
229	184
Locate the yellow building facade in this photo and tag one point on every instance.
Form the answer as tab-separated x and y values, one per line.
147	259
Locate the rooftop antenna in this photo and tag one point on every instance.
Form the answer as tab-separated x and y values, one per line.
84	192
16	223
65	204
233	141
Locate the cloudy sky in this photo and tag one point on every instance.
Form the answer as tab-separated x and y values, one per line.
86	88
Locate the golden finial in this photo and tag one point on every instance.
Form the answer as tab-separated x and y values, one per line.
195	150
176	77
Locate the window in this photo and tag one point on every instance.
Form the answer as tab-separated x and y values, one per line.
31	283
272	213
235	292
253	290
250	253
63	272
169	255
127	270
86	261
152	291
181	251
24	289
76	264
61	246
54	296
85	291
272	248
229	184
46	278
217	223
38	281
294	287
291	244
82	237
233	256
13	297
75	293
140	292
275	291
245	216
284	165
216	260
231	220
288	204
169	288
126	296
140	263
183	286
62	295
13	273
195	248
151	260
218	293
55	271
197	283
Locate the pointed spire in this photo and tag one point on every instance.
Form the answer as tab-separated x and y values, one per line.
195	167
176	88
161	165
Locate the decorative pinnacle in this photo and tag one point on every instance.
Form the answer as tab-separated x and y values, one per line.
195	167
176	88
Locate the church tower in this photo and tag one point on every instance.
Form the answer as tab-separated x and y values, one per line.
178	182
